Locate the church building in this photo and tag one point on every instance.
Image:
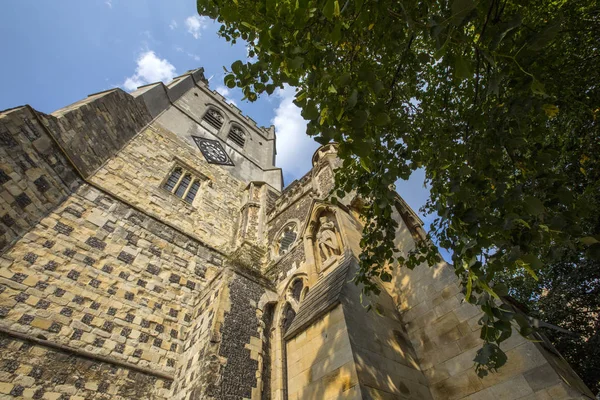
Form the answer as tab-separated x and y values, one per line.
148	250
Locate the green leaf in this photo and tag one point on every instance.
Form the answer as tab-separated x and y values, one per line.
352	99
236	67
588	240
469	286
365	164
532	261
310	112
533	205
229	81
593	252
460	9
296	62
329	9
382	119
336	8
462	68
537	87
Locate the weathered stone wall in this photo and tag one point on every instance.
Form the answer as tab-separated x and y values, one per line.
138	172
445	334
32	371
98	275
199	369
386	363
96	128
34	176
279	268
320	361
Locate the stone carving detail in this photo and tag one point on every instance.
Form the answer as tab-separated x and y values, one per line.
212	151
327	240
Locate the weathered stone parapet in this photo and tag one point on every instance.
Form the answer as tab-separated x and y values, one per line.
93	130
34	175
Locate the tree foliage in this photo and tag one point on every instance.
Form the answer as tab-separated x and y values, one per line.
496	99
567	295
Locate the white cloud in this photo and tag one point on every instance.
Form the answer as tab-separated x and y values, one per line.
149	69
195	24
196	57
108	3
173	24
294	147
225	92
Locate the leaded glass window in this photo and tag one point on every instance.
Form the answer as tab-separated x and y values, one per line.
191	194
173	179
182	184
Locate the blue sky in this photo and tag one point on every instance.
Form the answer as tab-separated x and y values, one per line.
58	52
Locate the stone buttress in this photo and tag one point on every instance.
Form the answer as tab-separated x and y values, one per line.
149	251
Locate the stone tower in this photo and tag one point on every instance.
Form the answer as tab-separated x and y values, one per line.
148	251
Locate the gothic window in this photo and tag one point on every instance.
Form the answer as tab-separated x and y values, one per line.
286	239
182	184
297	287
214	118
237	136
288	317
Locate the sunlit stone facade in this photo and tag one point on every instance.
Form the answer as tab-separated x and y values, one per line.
149	251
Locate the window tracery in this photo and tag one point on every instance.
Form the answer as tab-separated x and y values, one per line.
286	239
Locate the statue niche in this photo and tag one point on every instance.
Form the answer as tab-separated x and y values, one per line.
327	242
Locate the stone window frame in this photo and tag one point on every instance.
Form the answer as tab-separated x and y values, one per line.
244	138
211	128
276	242
195	176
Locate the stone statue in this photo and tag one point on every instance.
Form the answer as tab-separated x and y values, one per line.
327	239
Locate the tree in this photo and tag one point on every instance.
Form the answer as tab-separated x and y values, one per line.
567	295
496	99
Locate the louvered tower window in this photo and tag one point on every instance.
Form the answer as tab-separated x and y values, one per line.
214	118
182	184
237	136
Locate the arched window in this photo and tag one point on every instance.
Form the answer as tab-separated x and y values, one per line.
214	118
286	239
182	184
237	136
297	287
288	317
